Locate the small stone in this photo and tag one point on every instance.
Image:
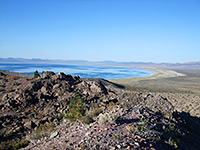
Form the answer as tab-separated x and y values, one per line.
124	144
137	144
30	125
163	127
87	133
112	148
71	144
56	86
53	135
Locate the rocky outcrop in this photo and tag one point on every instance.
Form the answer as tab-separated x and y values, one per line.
36	110
45	100
47	75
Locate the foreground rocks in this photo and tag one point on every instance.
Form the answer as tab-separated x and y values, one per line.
102	116
45	100
131	128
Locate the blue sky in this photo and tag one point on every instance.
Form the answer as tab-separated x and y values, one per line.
95	30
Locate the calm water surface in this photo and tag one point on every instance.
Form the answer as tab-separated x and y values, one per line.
84	71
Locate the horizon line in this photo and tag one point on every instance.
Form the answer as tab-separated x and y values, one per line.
21	59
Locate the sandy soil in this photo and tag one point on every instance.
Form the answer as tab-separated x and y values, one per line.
160	74
165	80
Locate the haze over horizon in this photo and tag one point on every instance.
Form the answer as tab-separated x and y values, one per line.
75	61
115	30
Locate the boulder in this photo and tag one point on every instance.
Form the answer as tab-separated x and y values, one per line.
43	90
56	86
36	86
98	87
69	77
54	134
30	125
61	76
2	74
47	74
76	77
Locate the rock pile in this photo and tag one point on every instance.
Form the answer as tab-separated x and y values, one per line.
130	128
44	101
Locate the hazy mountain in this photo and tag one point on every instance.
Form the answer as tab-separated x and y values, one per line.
38	60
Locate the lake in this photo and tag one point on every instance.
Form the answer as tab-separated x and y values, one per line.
84	71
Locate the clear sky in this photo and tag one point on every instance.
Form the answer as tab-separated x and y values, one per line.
95	30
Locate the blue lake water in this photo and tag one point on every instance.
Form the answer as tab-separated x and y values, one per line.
84	71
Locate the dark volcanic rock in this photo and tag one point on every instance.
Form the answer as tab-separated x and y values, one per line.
2	74
30	125
45	99
47	74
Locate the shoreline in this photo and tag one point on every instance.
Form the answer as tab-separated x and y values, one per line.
159	74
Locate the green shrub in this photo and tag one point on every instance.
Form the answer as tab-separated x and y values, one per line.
141	125
36	74
13	144
172	142
77	109
172	135
42	131
117	136
97	111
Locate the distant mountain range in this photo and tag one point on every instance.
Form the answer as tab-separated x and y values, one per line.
141	64
38	60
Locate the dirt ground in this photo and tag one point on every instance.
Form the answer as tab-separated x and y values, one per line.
180	86
165	80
